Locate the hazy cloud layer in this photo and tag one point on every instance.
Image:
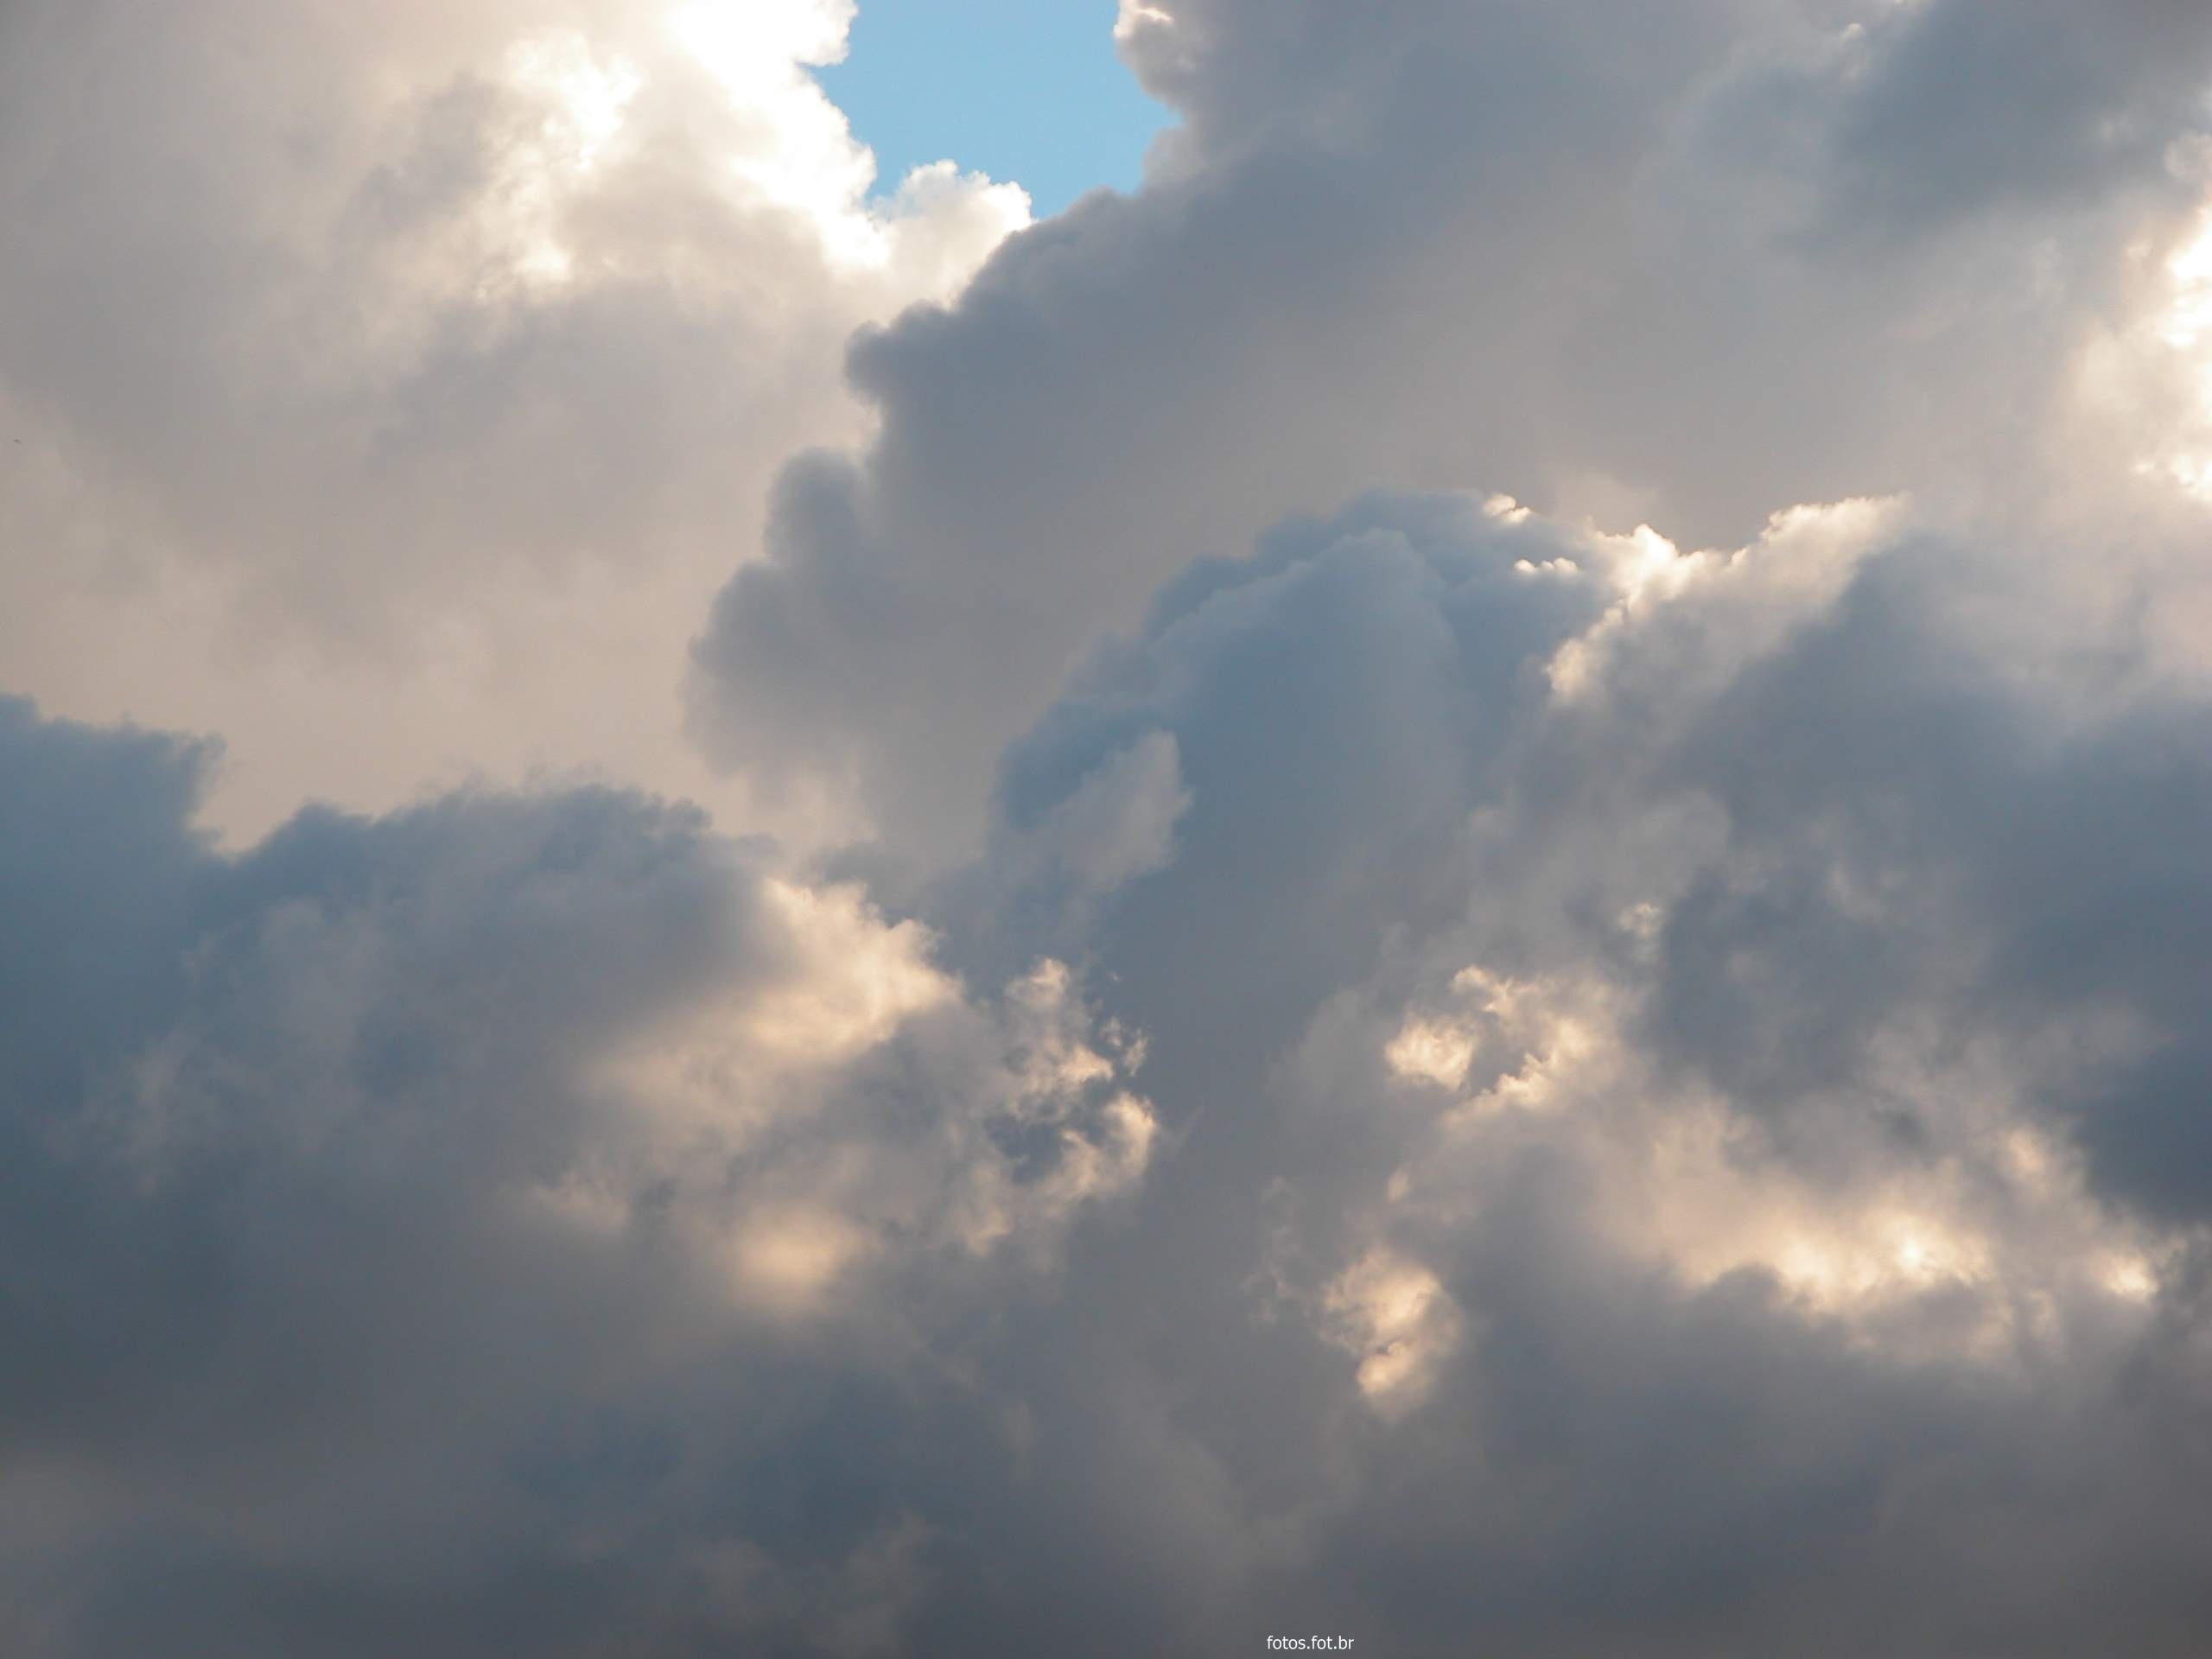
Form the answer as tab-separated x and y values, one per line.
1315	1048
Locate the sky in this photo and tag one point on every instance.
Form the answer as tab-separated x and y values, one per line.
770	887
1024	91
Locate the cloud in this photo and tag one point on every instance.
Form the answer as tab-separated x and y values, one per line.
639	1248
353	366
383	1192
1626	1143
1690	268
1264	1038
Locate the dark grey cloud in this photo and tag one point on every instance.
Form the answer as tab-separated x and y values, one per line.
1852	828
421	1228
1624	1028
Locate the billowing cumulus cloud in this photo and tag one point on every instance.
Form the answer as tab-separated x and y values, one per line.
405	1189
1658	1046
1691	266
1458	889
354	360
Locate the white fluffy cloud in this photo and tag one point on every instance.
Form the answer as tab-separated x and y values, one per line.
391	392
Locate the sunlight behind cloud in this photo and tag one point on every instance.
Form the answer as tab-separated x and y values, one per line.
2184	327
762	56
